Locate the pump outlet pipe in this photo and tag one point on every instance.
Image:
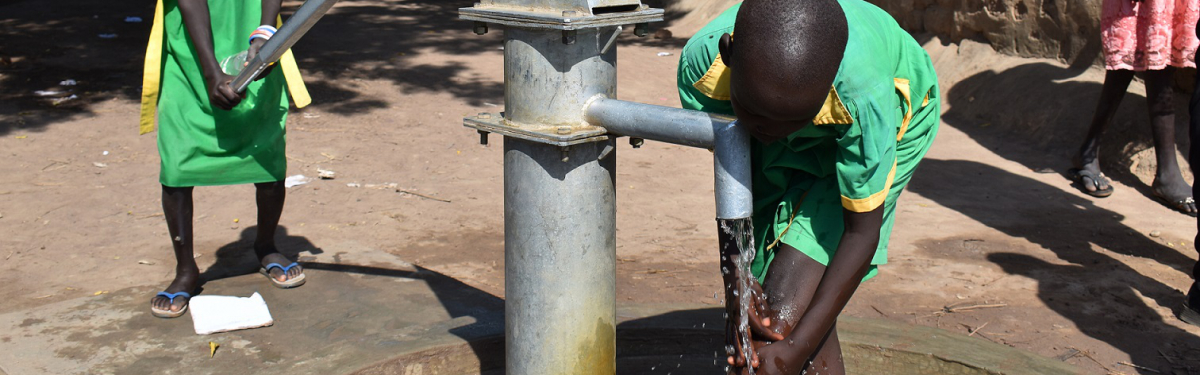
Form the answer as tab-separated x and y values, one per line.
721	134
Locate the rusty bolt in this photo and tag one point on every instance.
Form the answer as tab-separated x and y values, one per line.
636	142
481	28
483	137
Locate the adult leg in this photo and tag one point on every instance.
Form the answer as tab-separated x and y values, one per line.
270	196
1168	181
790	284
1191	305
1087	161
177	208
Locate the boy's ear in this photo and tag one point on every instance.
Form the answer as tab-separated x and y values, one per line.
725	46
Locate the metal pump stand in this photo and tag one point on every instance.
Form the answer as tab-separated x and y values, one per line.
560	168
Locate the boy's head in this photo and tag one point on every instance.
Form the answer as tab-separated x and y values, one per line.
783	62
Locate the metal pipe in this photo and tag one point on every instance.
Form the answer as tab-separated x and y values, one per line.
653	122
559	258
729	142
289	33
731	169
559	208
547	82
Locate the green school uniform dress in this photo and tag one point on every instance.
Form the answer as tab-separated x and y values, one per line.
198	143
858	153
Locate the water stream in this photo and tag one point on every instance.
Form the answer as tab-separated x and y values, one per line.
736	237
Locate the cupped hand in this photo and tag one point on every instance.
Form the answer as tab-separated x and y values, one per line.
782	357
760	327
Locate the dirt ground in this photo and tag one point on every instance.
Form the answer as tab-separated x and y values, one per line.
991	239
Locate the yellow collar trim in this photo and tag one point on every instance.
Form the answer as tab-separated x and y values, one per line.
833	112
715	84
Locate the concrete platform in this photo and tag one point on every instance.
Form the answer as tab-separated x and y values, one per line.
345	318
412	321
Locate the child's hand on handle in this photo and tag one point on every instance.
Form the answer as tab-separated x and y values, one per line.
255	46
221	93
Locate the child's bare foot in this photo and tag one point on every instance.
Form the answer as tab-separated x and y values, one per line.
1175	192
171	303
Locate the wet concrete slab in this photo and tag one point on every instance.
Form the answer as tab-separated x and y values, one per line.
401	319
345	318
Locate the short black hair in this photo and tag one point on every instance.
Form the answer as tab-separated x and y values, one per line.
787	51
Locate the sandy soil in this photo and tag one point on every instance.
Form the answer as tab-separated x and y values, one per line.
991	239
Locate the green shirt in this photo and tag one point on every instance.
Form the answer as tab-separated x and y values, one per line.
851	155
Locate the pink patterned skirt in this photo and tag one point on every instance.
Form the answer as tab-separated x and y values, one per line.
1150	34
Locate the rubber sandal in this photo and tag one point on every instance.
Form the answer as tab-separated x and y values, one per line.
1078	175
293	282
171	299
1177	205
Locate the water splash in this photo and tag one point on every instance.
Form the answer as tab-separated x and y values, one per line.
737	240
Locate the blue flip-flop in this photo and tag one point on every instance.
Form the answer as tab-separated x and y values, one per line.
293	282
171	297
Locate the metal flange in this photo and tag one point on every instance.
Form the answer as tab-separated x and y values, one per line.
552	21
562	136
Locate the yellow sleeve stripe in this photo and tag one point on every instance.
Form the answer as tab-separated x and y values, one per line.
152	73
295	83
291	74
872	202
902	87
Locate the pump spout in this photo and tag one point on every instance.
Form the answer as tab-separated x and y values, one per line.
721	134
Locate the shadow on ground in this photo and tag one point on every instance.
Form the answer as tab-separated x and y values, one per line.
1037	107
356	40
237	258
1100	294
460	300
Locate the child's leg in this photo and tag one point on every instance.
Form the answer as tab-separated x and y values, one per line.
270	196
1168	181
790	284
1088	159
177	207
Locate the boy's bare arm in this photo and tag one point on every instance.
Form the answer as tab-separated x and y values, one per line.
199	27
841	279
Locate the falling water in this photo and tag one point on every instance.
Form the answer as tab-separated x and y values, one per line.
736	239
